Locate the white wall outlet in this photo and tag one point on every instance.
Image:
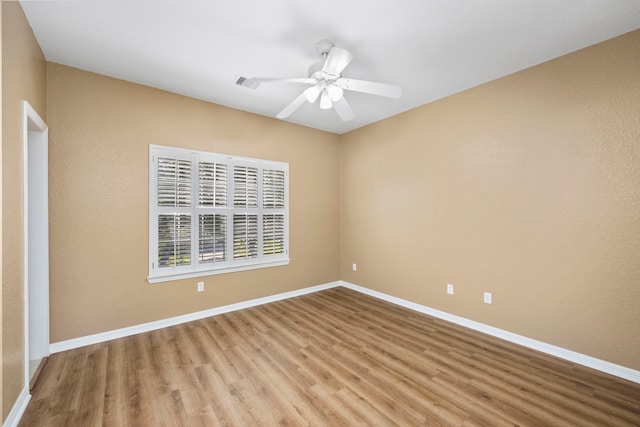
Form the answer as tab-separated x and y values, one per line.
487	297
354	267
200	286
449	288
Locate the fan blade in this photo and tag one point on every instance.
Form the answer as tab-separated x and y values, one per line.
325	101
373	88
337	61
343	109
254	82
335	92
293	106
312	93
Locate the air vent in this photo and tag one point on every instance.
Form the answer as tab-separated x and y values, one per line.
250	83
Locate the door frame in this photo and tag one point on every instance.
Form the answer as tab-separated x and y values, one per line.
35	140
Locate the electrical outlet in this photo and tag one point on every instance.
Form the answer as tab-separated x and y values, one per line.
487	297
354	267
449	288
200	286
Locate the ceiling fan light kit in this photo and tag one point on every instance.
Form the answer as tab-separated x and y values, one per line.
327	83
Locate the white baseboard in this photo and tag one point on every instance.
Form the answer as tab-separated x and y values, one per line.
159	324
572	356
18	409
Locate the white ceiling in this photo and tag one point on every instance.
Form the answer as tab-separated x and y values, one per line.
432	48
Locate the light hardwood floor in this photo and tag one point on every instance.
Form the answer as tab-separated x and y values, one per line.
332	358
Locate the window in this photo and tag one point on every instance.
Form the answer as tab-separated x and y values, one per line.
213	213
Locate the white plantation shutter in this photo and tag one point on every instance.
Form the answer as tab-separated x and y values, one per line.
245	190
212	184
273	188
174	182
273	204
273	234
245	236
213	213
245	217
212	208
174	240
173	219
212	242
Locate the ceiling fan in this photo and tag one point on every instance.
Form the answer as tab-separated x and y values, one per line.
327	83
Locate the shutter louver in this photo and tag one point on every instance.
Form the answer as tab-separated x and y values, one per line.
273	189
212	241
174	240
245	236
273	234
174	182
212	184
245	181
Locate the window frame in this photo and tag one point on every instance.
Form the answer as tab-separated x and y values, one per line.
230	264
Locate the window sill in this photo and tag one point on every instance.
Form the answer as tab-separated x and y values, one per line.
168	278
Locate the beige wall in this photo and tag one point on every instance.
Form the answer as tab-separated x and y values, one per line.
100	131
527	187
23	78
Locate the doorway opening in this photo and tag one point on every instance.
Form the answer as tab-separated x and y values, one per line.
36	241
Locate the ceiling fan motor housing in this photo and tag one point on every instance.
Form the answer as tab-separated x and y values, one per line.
324	46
